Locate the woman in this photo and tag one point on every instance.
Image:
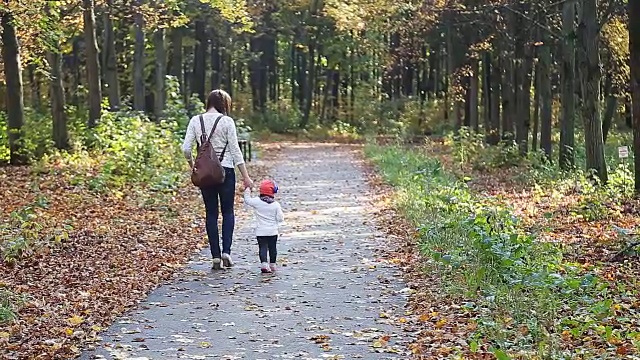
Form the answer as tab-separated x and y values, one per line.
224	139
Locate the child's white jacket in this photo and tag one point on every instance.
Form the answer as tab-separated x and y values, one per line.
268	217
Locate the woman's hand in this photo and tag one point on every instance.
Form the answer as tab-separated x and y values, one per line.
247	182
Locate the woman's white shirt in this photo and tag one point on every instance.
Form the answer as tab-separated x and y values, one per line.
225	134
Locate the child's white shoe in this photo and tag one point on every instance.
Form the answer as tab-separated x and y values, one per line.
265	268
272	266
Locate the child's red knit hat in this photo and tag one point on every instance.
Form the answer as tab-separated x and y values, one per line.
268	188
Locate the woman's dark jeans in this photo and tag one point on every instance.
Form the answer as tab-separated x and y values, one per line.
226	194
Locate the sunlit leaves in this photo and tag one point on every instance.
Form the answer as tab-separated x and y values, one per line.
615	41
234	11
360	15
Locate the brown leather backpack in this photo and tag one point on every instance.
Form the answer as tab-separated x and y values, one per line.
207	169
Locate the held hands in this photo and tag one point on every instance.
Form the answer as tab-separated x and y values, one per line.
247	182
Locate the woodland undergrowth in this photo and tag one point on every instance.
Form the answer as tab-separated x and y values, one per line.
519	295
90	231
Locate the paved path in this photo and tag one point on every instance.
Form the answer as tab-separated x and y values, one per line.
330	299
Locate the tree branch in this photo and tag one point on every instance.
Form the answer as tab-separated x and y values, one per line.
559	3
67	12
533	21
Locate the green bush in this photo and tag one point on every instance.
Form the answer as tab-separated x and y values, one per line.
138	150
25	232
278	118
481	253
126	147
37	141
175	108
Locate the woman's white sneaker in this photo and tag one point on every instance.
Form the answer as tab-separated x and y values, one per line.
217	264
265	268
226	260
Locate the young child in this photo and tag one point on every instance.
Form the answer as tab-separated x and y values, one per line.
269	216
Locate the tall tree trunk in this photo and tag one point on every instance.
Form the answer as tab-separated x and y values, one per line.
187	74
487	96
589	66
420	69
293	69
610	108
301	77
309	86
175	67
35	87
15	95
318	85
109	59
607	117
228	78
448	73
474	89
455	57
634	50
60	132
423	77
536	108
396	77
326	94
508	99
494	128
522	86
352	84
160	71
93	64
138	59
567	76
335	94
407	78
254	74
486	93
75	69
199	62
466	88
216	62
546	97
431	77
279	80
525	102
272	64
387	76
441	75
54	57
259	71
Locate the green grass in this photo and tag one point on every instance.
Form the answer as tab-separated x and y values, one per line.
484	258
9	306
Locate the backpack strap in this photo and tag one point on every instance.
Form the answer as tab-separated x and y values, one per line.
215	125
203	138
223	151
213	129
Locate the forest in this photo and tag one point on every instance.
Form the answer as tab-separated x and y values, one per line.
532	108
518	72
